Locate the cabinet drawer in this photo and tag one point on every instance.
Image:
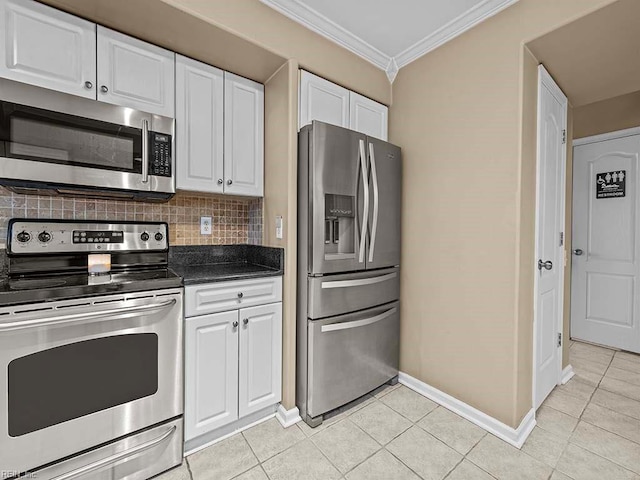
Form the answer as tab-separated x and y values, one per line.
221	296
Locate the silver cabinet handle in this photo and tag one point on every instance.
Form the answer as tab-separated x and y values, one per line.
104	89
245	321
114	458
548	265
145	151
358	282
332	327
578	251
235	324
88	85
220	182
240	294
365	214
374	177
229	182
83	317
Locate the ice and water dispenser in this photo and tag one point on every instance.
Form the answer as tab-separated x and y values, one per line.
339	225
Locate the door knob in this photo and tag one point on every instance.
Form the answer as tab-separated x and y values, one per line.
235	324
220	181
104	89
240	294
229	182
88	85
578	251
245	321
548	265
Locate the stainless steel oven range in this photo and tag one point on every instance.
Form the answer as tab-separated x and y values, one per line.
90	365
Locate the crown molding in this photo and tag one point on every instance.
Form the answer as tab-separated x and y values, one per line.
318	23
321	25
455	27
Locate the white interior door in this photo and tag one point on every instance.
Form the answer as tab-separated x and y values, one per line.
552	119
605	289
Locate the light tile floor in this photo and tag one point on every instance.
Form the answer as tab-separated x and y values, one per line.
587	429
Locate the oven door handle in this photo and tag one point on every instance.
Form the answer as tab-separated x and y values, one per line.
116	457
83	317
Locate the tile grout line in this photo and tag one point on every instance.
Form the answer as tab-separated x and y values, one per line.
596	426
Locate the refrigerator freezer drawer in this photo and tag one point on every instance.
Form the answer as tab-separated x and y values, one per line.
336	294
351	355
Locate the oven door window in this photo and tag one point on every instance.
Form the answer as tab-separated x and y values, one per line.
71	381
31	133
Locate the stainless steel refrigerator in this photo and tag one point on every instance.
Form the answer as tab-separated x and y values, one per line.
348	319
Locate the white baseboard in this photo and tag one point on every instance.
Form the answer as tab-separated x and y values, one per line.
513	436
567	374
286	417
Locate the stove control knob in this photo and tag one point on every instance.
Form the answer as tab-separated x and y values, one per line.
23	237
159	237
44	237
144	237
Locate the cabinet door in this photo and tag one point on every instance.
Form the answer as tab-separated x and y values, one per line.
199	126
211	372
322	100
367	116
48	48
135	74
243	136
260	377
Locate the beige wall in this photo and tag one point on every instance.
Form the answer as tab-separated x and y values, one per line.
463	115
608	115
280	198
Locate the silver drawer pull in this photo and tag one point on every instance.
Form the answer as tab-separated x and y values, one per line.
359	282
357	323
83	317
114	458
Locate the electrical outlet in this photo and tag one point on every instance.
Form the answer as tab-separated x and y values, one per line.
205	225
278	226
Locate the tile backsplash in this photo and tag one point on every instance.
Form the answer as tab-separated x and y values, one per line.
234	219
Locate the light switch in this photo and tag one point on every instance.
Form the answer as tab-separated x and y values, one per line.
278	226
205	225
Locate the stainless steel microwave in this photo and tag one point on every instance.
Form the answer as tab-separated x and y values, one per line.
56	143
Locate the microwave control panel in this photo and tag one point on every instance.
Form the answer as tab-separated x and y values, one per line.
160	161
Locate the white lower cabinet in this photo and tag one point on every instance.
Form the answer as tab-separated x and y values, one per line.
211	374
260	377
233	364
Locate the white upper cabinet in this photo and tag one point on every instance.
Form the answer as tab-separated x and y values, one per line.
367	116
322	100
199	126
135	74
43	46
260	371
243	136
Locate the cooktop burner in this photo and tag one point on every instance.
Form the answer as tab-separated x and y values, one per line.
55	266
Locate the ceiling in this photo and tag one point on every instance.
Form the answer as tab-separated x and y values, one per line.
595	57
389	34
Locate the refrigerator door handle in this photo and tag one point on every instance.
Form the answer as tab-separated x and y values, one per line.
332	327
365	185
374	177
360	282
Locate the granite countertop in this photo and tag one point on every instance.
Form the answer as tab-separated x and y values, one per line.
216	263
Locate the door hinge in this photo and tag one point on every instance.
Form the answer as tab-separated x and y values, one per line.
564	136
561	238
559	339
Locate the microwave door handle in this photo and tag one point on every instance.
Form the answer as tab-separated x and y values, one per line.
145	151
365	213
376	195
